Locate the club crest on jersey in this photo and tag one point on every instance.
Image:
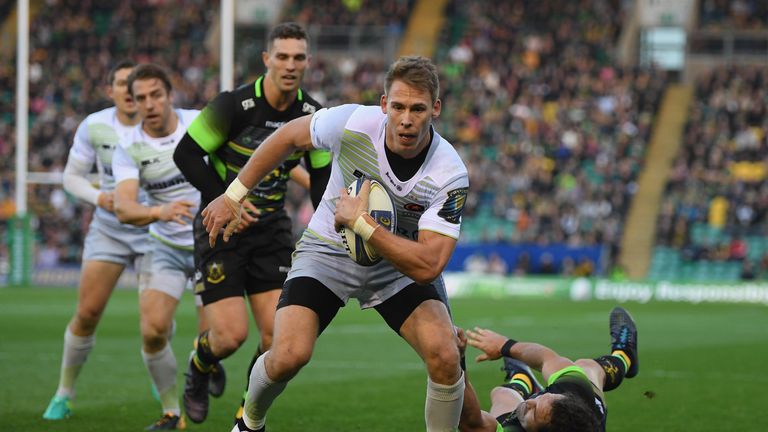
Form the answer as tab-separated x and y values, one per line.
215	272
248	104
308	108
454	205
414	207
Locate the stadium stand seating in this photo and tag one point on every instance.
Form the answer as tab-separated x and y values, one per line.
713	220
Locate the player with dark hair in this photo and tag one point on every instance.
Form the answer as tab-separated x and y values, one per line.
255	263
573	399
395	144
109	246
144	161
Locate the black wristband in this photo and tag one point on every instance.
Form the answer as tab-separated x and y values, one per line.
507	346
463	363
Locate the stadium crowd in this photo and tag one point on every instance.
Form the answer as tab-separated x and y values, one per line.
733	14
72	48
716	199
553	131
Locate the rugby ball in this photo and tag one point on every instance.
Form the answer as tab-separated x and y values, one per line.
382	210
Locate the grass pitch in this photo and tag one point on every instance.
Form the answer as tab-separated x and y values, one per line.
701	366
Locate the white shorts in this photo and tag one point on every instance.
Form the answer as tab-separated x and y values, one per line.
114	244
168	269
331	266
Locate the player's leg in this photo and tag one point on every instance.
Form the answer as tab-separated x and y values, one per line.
305	309
106	252
228	321
156	310
161	285
504	400
520	378
220	282
270	253
263	307
97	280
623	360
426	325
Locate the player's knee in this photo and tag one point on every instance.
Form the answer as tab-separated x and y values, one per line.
443	364
153	335
287	362
229	342
86	320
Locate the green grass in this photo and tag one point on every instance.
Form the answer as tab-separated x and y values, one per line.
703	364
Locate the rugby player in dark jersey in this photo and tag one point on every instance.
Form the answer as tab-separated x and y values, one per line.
573	399
253	265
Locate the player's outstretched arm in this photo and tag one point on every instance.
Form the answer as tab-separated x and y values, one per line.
292	137
473	419
535	355
129	210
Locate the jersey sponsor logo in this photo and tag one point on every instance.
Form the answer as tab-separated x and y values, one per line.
166	184
414	207
308	108
273	124
454	205
248	104
146	162
392	182
215	272
170	141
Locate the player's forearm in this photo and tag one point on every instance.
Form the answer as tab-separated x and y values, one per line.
534	355
418	260
473	418
292	137
317	183
190	158
131	212
80	187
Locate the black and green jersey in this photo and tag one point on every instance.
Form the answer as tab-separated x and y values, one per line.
572	380
233	125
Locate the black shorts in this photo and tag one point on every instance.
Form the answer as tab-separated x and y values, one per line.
251	262
310	293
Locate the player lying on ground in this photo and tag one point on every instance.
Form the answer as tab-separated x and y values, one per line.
573	399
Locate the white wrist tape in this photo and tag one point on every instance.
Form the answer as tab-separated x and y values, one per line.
236	190
365	226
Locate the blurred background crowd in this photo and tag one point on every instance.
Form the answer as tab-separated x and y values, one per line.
553	128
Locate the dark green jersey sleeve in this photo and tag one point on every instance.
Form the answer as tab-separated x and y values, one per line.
211	128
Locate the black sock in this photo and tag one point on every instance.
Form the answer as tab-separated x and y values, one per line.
614	368
204	358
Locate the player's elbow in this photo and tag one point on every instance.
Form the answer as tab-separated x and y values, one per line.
121	214
425	276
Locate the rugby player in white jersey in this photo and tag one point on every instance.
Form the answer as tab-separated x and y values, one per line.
109	246
395	144
145	160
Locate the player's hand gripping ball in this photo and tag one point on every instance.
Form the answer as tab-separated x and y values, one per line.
382	210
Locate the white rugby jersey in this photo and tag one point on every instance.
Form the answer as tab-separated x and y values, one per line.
95	142
150	160
431	200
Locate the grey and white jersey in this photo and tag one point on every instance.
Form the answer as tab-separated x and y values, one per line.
95	141
150	161
432	199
